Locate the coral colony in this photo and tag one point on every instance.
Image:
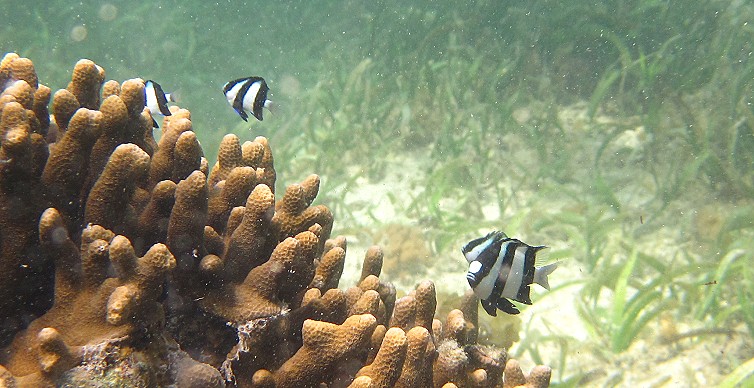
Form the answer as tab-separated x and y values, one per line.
128	261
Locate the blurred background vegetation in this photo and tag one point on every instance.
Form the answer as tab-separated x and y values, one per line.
619	133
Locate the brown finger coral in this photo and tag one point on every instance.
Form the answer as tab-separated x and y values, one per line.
91	309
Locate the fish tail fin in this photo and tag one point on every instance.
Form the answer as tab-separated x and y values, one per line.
273	107
173	97
540	275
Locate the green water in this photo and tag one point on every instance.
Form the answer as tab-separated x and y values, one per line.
619	133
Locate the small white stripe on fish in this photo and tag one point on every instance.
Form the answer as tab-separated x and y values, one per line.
484	288
251	96
474	253
233	92
516	274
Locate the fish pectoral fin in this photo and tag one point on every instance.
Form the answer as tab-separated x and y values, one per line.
274	108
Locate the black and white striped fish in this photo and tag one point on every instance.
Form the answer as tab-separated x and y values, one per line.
156	100
502	268
248	94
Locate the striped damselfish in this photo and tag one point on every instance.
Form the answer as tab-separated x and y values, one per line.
502	268
248	94
156	100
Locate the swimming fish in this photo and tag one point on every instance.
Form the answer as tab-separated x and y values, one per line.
248	93
156	100
502	268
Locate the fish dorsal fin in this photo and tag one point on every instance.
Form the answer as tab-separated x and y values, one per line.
493	236
498	234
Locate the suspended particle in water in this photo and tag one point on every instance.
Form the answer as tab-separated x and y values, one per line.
78	33
108	12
